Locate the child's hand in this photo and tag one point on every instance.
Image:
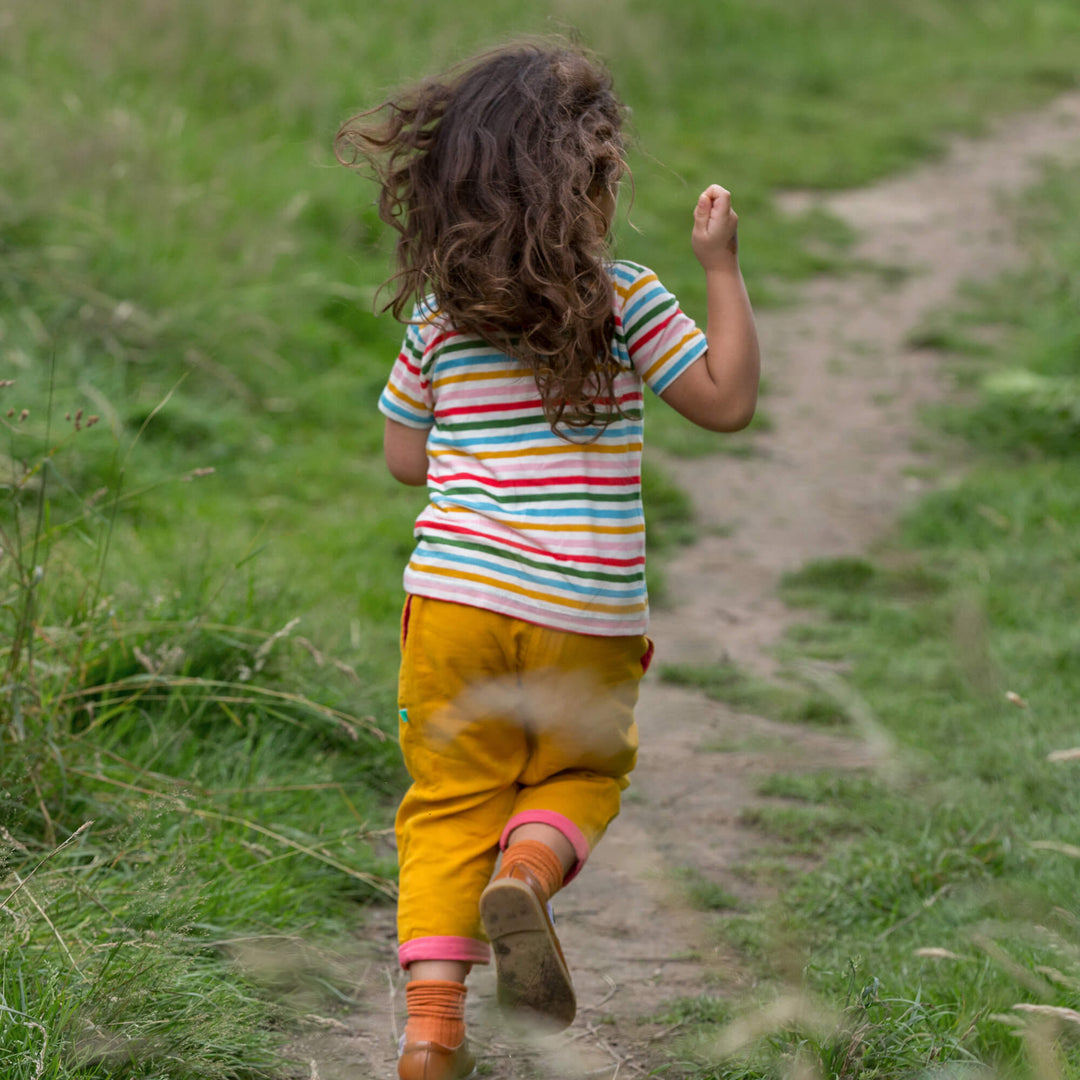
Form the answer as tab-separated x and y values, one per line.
715	237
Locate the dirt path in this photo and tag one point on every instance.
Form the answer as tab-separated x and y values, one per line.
827	480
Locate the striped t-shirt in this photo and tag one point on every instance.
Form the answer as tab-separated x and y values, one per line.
520	520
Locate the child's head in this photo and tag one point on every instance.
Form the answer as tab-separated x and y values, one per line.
499	179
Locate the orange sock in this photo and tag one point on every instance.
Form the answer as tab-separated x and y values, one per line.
538	858
436	1012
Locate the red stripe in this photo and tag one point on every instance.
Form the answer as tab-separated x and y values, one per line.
404	359
542	481
499	541
495	406
441	337
653	332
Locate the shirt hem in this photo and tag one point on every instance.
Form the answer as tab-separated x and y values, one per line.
537	615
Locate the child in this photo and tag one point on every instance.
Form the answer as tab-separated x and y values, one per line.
517	400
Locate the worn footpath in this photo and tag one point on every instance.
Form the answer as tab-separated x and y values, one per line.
827	479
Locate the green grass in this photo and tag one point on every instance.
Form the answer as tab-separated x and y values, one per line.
181	258
669	518
774	699
949	896
706	895
871	1035
1029	404
212	802
803	829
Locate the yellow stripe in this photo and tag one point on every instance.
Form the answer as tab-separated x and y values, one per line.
528	526
508	374
504	586
591	448
418	405
668	355
639	284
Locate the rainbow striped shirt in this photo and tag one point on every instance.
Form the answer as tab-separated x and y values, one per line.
520	520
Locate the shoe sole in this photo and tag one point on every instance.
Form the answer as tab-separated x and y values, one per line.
531	975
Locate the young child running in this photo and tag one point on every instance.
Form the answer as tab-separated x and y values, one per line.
517	400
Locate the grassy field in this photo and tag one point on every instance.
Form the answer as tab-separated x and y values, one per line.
944	911
191	463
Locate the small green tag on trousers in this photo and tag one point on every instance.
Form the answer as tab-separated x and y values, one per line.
404	714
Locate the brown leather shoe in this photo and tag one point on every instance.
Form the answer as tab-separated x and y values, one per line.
433	1061
529	965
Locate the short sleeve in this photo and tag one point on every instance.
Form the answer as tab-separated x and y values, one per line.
661	340
407	396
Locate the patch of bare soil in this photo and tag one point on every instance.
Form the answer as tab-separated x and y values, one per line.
827	480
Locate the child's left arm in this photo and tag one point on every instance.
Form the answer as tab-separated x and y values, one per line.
405	450
719	391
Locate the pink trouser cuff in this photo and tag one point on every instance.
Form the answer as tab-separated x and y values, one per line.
556	821
465	949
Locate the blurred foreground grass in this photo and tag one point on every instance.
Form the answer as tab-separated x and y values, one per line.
181	258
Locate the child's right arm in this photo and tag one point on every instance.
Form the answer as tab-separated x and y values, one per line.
719	390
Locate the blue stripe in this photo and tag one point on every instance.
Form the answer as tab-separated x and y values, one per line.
389	406
514	571
653	295
674	368
627	271
585	512
497	360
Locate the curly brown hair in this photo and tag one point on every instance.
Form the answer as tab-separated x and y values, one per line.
491	176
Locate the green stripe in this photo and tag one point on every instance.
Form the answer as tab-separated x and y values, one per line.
649	315
536	419
413	351
477	344
514	556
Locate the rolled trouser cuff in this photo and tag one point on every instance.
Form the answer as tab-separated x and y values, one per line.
557	821
464	949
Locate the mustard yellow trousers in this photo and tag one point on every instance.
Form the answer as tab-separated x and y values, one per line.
502	723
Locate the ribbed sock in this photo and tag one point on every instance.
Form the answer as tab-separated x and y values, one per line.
436	1012
537	857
